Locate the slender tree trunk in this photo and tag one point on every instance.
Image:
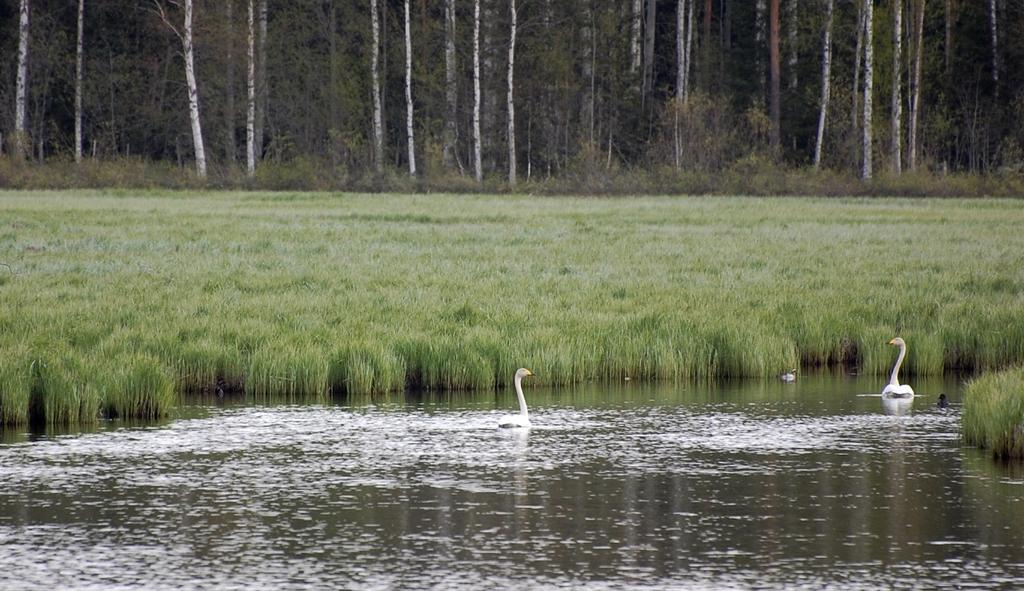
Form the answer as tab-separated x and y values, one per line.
79	51
869	55
993	22
826	85
229	109
451	87
378	126
649	27
897	95
250	91
792	24
950	18
760	16
705	45
409	133
680	78
21	92
855	114
193	92
634	36
262	91
915	93
511	89
688	61
776	98
477	161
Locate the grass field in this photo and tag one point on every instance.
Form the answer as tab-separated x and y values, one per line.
109	297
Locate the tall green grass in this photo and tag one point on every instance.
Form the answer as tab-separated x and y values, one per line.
993	416
300	296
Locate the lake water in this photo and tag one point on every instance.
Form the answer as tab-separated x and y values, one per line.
737	485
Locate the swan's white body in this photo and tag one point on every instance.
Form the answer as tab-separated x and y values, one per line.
894	389
523	418
789	376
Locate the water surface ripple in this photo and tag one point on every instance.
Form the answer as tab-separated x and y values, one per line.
735	486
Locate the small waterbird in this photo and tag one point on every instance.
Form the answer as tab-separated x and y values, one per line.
893	388
943	401
789	376
523	418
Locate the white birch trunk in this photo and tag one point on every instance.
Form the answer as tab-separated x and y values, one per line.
79	50
511	92
451	88
648	66
477	163
680	77
688	62
915	93
854	93
21	91
826	85
869	55
262	92
897	94
378	126
409	133
634	36
193	92
250	91
993	23
229	115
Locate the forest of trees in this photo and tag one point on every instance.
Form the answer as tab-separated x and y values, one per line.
516	89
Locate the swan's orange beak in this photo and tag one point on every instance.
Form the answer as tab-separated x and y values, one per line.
529	373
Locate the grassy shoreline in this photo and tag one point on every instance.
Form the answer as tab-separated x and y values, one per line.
993	416
301	295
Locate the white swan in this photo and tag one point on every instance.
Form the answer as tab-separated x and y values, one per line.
894	389
789	376
523	418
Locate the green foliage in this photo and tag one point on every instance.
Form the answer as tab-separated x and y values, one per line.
993	415
119	300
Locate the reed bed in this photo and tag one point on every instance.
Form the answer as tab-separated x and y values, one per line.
298	296
993	415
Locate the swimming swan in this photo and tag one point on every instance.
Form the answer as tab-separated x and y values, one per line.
523	418
894	389
789	376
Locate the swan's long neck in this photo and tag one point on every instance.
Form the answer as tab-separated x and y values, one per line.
893	379
519	394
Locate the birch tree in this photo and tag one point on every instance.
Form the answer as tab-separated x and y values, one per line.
262	91
869	55
897	96
826	86
79	49
858	54
409	134
451	87
378	125
775	96
229	99
250	92
993	23
634	36
792	29
648	73
477	163
21	89
915	83
185	36
680	77
511	91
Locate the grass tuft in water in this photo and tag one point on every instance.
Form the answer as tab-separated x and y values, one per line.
993	415
137	386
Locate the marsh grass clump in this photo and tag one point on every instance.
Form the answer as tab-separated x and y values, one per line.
64	390
136	386
15	386
291	373
993	414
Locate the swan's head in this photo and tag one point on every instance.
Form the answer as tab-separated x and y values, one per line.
522	372
898	342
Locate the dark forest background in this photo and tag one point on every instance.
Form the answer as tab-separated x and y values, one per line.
585	119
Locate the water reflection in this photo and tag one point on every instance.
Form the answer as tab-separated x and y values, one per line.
894	406
735	485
